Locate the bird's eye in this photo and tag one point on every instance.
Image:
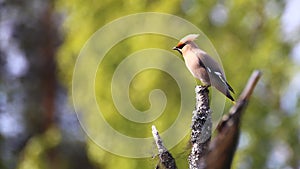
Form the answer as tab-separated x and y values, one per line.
181	45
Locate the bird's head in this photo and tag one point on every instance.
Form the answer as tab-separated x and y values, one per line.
186	43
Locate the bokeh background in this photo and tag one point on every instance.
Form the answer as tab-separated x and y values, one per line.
41	39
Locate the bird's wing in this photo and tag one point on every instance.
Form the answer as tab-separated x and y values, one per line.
210	64
214	70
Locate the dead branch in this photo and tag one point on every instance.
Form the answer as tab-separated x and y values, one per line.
201	128
165	157
223	146
218	153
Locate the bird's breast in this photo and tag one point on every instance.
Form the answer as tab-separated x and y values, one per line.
193	64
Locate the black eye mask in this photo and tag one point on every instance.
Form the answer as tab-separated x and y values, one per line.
181	46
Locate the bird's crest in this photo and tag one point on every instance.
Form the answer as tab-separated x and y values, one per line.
190	37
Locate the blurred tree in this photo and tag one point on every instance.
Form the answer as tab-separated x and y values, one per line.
31	115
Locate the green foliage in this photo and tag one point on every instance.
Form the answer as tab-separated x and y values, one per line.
35	153
248	39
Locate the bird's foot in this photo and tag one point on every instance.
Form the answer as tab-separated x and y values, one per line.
205	86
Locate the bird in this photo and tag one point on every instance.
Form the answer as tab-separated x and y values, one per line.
202	66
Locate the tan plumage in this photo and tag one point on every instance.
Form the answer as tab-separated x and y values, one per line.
202	66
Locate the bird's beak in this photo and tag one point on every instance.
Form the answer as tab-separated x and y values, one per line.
178	49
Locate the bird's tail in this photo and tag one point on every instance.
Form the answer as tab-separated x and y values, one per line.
230	88
229	96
